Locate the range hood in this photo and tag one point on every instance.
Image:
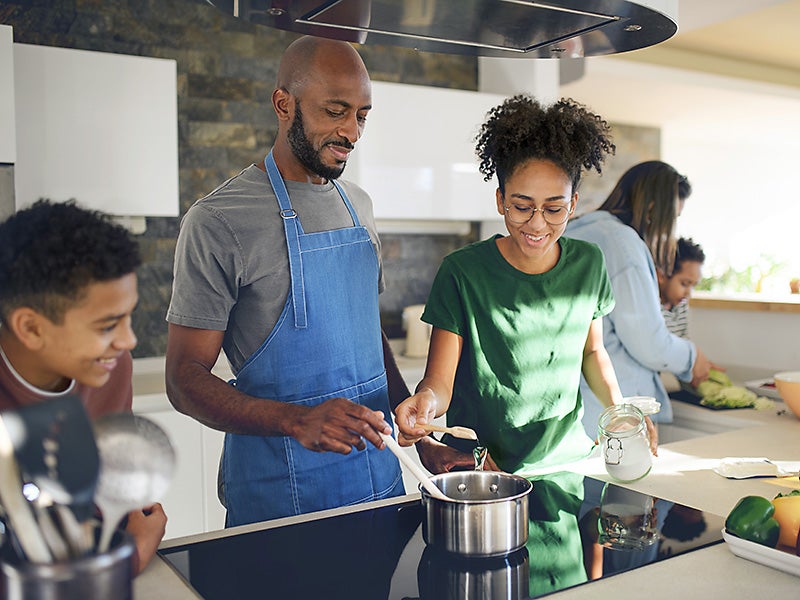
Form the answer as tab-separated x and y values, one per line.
499	28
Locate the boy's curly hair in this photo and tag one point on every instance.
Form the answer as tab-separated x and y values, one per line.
687	250
521	129
51	252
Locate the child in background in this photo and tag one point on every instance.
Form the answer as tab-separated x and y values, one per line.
516	319
676	289
67	291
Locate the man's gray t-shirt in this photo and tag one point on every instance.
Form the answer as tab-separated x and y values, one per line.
231	262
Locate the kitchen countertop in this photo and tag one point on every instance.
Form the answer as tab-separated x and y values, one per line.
682	472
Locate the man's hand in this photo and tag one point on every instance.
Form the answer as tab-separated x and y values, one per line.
338	425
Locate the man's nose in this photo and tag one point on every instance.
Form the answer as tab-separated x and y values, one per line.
352	129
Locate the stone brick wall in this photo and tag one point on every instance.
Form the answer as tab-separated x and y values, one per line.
226	71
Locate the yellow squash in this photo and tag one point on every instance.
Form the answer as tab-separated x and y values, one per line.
787	513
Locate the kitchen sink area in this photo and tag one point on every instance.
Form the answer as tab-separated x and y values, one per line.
691	421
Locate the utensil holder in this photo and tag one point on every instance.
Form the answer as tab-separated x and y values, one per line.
95	577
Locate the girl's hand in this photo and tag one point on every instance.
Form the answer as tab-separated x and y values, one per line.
652	432
419	408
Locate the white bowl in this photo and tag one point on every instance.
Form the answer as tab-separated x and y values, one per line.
788	384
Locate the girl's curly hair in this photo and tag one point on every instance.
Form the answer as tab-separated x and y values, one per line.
521	129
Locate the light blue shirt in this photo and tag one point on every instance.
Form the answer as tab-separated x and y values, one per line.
634	333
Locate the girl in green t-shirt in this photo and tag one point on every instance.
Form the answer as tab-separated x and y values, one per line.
517	318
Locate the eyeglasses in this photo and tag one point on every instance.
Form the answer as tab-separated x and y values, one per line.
554	214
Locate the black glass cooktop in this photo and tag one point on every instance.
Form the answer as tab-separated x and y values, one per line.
580	530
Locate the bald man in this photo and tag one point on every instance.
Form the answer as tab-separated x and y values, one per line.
280	267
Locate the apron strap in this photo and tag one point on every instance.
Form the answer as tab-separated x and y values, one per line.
291	227
353	215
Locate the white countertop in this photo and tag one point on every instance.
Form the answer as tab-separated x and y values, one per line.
682	472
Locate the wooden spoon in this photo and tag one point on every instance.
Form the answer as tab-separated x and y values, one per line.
465	433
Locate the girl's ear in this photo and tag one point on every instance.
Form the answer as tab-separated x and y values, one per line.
500	204
27	325
574	204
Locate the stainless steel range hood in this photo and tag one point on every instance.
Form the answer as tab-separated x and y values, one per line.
500	28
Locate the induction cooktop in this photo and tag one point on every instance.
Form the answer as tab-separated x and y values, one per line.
580	530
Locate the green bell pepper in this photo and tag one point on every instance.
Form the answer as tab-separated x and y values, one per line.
751	519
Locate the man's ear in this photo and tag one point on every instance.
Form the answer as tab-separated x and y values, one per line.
283	104
28	325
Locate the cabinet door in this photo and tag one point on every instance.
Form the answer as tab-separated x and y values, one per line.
185	500
417	156
214	512
8	140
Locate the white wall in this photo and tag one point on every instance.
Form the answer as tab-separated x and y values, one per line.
744	205
737	141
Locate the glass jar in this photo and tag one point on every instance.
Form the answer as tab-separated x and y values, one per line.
625	443
627	519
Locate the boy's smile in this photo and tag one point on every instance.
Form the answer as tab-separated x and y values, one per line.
88	342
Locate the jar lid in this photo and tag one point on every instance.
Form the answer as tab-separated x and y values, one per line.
647	404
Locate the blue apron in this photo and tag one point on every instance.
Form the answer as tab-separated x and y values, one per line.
326	344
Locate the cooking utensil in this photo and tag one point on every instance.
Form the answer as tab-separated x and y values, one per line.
55	448
486	513
136	464
465	433
51	534
18	512
415	469
479	453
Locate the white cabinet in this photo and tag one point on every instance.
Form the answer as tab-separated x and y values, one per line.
95	126
190	503
417	156
211	446
8	144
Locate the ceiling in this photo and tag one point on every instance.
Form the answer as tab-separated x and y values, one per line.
731	62
760	31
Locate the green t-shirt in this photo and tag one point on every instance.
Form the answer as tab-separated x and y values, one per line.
517	382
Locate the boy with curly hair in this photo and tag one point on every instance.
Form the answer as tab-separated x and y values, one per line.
67	291
517	318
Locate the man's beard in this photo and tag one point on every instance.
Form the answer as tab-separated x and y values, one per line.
306	153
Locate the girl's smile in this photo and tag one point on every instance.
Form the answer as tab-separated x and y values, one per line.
535	189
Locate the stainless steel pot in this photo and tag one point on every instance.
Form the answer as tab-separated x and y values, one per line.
444	576
488	515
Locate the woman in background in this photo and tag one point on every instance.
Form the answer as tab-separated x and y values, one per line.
635	229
